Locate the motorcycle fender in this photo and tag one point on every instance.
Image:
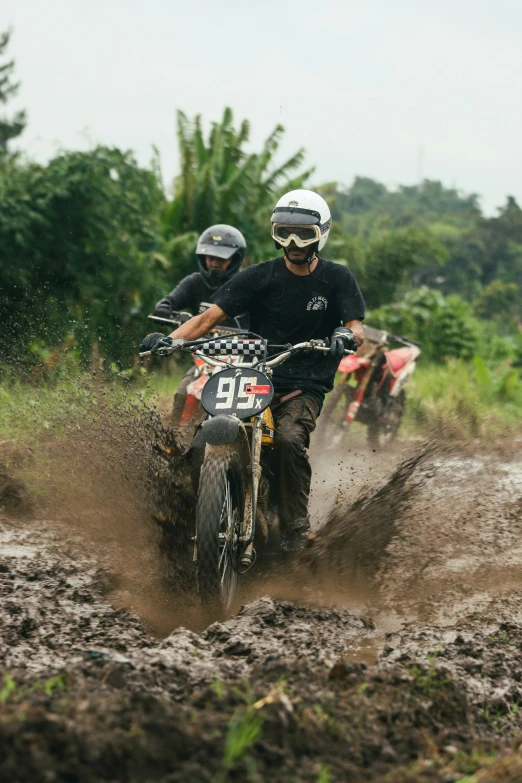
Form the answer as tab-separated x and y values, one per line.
402	379
218	431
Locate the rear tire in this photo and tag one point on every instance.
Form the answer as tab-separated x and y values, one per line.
219	512
385	425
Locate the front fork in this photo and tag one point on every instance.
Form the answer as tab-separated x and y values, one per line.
248	527
360	391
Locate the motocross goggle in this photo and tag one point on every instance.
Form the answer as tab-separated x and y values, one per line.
301	235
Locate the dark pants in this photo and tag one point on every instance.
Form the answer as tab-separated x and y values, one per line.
294	422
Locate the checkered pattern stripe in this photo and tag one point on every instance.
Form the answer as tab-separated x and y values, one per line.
231	347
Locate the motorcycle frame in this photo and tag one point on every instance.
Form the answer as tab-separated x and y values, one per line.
353	406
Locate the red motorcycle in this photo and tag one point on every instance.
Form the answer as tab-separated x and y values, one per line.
377	398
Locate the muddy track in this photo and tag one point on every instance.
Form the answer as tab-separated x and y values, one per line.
391	652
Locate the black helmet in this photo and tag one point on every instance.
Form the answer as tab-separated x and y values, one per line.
221	241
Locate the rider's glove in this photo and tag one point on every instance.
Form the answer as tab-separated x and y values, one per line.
342	340
154	341
163	312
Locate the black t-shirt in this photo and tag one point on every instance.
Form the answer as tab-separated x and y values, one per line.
189	295
287	308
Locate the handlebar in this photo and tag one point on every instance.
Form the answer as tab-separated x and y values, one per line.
202	349
158	319
383	337
181	317
311	345
403	340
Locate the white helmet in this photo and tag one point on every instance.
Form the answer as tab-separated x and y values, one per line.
307	214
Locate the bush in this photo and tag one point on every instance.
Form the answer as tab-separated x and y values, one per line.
445	326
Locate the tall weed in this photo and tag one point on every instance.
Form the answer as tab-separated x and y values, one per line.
467	399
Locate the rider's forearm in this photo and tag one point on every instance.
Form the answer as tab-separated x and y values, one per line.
200	324
357	329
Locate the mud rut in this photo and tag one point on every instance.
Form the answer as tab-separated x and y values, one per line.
391	652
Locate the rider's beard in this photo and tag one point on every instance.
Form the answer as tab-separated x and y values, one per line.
306	259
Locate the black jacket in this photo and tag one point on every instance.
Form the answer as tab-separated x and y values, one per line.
190	295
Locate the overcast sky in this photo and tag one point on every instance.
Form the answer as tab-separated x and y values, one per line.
394	90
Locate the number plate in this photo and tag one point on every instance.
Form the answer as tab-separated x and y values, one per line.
235	391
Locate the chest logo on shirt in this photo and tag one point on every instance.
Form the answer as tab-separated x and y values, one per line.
317	303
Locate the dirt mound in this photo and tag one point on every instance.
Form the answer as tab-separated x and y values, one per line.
290	720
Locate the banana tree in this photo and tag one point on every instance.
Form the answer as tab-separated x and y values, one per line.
220	182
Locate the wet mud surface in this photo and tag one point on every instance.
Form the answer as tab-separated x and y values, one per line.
391	651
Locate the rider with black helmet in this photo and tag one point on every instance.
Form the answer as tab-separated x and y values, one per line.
220	251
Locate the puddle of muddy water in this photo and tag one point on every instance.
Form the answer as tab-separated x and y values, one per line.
12	544
15	550
366	651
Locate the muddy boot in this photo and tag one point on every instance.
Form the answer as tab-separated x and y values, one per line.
295	537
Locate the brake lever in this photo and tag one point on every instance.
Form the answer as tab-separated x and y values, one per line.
178	343
160	352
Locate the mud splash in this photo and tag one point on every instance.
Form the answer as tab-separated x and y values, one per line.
348	551
100	474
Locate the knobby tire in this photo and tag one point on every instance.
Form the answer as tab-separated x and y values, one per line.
221	468
381	431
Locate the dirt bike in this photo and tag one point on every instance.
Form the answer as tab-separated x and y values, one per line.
378	397
234	508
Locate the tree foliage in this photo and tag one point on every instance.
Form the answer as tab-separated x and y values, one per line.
498	299
477	251
89	241
445	326
392	258
368	203
80	249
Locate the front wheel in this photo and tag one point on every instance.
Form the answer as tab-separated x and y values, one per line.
219	512
386	421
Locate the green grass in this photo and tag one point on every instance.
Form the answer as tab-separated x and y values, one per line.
61	402
27	411
465	398
244	730
10	691
8	688
165	377
324	775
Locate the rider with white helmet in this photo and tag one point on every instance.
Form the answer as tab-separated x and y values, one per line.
301	219
294	298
